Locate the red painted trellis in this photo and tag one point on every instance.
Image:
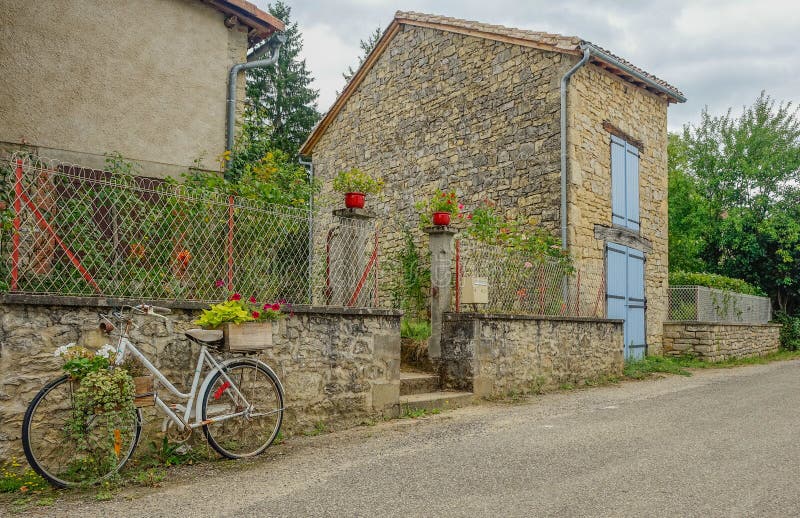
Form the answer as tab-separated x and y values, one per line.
21	196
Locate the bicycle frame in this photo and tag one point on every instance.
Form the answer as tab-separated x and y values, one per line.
204	358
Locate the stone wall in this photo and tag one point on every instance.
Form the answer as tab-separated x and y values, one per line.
147	79
449	111
337	366
446	111
597	97
713	341
495	355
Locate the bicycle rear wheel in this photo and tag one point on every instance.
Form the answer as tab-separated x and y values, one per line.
68	453
251	433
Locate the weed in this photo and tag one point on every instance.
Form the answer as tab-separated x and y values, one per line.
368	422
104	495
170	454
152	477
415	329
566	386
319	428
279	438
640	369
416	413
538	384
14	478
46	501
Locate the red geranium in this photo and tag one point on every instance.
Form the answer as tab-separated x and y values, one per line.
256	314
236	296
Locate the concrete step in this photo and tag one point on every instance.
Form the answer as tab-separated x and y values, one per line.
440	400
412	382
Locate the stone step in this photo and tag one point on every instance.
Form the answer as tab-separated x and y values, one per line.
440	400
412	382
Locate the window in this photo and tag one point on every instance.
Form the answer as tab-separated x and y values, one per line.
624	183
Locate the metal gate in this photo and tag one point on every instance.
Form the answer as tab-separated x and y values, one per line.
625	296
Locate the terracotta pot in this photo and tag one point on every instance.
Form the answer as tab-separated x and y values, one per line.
354	200
441	219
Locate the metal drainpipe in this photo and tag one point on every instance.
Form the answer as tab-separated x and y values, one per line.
310	165
587	52
273	44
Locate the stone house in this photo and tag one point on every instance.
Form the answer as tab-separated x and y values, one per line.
453	104
147	79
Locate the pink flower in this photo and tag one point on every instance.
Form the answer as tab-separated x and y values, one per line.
266	307
256	314
219	283
469	216
252	300
236	296
276	307
528	264
461	206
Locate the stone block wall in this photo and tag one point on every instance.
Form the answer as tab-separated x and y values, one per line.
597	97
337	365
714	341
494	355
447	111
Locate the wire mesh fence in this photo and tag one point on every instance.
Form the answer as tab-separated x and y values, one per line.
85	232
713	305
516	283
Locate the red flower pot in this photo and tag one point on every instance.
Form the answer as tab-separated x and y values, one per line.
354	200
441	219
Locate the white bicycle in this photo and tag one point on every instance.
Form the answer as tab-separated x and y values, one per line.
239	406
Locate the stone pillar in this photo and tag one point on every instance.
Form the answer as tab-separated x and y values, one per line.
348	256
441	245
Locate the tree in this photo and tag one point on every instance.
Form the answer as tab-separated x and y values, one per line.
747	171
366	48
282	106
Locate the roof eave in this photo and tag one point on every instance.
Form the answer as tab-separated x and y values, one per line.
604	56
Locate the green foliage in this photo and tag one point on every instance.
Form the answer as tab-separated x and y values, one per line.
80	366
282	106
712	280
742	180
15	478
525	237
415	329
416	413
356	180
641	369
410	290
366	48
230	311
169	454
790	331
441	201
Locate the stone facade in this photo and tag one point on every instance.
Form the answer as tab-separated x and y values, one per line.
597	97
713	341
494	355
336	366
444	110
147	79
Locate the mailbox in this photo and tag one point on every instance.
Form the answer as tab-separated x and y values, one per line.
475	290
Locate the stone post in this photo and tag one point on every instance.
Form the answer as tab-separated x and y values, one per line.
441	245
348	258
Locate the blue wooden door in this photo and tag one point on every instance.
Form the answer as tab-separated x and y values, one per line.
625	296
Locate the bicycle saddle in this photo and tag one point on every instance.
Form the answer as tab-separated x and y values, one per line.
204	336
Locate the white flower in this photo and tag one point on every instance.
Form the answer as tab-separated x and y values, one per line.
106	351
61	351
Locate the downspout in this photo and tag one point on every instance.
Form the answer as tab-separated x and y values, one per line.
310	168
587	52
273	45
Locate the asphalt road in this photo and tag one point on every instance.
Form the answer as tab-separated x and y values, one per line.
720	443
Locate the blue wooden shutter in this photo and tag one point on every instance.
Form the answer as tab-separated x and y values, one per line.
624	184
632	187
618	183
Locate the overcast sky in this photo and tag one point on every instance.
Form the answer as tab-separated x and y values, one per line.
719	53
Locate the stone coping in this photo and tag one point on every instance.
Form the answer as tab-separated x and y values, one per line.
101	302
451	316
710	323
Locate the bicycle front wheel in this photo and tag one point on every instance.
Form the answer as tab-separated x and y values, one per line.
256	419
68	451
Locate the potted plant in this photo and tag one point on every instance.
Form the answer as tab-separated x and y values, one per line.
246	325
356	184
439	209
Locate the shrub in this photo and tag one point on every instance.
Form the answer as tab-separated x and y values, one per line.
712	280
790	331
356	180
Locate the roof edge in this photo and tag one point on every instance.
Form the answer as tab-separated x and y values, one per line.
612	60
261	23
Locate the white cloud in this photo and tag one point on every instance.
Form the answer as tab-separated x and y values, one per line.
327	56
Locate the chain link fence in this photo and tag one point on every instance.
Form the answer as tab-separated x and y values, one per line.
516	283
75	231
713	305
